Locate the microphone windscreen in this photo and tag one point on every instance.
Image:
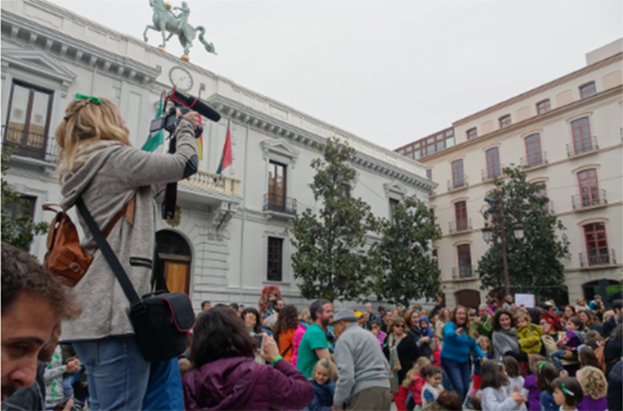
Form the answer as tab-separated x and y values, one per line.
197	105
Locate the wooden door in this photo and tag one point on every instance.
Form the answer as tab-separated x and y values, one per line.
177	275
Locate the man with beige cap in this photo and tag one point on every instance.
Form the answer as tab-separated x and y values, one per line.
363	371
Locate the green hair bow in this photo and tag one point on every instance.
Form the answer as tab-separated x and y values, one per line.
94	100
543	364
566	391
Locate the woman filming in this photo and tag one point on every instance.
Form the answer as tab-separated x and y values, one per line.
98	164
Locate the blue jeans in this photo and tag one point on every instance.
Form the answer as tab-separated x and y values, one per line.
556	357
458	373
117	373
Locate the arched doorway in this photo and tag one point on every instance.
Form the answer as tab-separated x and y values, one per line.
609	290
468	298
175	259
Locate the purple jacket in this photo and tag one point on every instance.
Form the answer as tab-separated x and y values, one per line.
534	400
239	383
589	404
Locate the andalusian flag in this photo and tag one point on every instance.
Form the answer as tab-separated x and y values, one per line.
226	157
155	140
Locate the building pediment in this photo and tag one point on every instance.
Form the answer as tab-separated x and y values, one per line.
395	188
39	62
281	148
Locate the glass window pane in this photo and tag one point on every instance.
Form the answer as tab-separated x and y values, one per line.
440	145
450	142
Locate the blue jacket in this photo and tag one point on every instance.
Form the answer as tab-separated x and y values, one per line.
476	361
323	396
457	348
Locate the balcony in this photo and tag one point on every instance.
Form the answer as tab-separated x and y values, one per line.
534	161
486	174
458	183
466	271
587	147
588	200
594	259
28	145
277	205
459	225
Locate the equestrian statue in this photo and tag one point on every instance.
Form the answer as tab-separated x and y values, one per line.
165	21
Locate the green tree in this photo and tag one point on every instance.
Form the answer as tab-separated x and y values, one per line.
411	273
333	258
21	231
533	262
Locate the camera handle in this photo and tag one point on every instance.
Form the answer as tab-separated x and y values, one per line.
170	191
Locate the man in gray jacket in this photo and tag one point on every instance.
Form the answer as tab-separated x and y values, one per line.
363	371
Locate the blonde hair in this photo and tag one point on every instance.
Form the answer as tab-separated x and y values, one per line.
328	365
593	382
304	315
523	314
607	315
484	338
86	123
419	364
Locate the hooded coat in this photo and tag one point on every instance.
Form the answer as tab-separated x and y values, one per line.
239	383
107	175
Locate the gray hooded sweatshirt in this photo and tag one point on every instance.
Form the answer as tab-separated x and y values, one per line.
107	175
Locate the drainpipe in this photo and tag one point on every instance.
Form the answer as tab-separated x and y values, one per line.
244	208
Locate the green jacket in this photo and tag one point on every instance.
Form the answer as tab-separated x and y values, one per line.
484	328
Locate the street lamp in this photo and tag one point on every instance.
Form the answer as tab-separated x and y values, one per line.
518	231
487	233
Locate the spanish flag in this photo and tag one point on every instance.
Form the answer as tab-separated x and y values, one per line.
226	157
199	141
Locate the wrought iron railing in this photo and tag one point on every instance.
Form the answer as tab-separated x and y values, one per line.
280	204
597	257
534	161
460	225
590	199
488	174
28	144
585	147
458	183
466	271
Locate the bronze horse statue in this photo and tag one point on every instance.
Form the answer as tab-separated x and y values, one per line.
165	21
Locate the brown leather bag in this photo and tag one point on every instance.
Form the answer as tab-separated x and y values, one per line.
65	257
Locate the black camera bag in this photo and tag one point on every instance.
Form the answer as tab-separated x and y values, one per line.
161	320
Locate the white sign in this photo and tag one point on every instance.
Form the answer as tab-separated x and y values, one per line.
525	299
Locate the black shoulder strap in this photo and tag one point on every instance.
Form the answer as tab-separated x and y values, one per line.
109	254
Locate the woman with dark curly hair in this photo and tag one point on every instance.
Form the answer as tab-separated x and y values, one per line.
504	337
284	330
225	376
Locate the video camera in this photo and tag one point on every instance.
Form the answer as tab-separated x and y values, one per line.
169	122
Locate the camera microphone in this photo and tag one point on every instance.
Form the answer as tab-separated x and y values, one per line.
195	104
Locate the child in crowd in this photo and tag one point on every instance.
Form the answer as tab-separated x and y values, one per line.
567	393
476	401
485	346
324	387
432	388
546	374
414	382
427	343
529	383
595	388
450	400
587	358
570	341
375	328
515	380
529	334
495	395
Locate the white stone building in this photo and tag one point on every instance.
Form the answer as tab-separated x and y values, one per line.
230	240
567	135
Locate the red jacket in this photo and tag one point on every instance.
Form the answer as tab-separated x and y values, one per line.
416	388
240	383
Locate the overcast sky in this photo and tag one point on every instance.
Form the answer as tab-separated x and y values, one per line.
388	71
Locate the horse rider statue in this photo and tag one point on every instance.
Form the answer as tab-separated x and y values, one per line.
164	20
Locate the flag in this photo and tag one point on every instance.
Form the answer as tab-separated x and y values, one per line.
155	140
226	157
199	141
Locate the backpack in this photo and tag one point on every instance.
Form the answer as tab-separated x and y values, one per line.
599	353
65	257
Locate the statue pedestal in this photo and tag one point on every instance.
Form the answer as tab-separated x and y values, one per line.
185	58
160	48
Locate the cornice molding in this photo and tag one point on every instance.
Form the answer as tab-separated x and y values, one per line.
283	130
26	33
37	61
540	89
281	148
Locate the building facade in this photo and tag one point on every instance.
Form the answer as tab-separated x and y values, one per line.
229	237
566	135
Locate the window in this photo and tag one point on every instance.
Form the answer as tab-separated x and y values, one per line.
429	174
543	106
587	90
276	186
493	162
275	259
472	133
460	213
589	187
582	142
505	121
465	261
432	144
435	258
28	120
596	244
392	206
20	207
458	178
542	190
533	150
344	190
